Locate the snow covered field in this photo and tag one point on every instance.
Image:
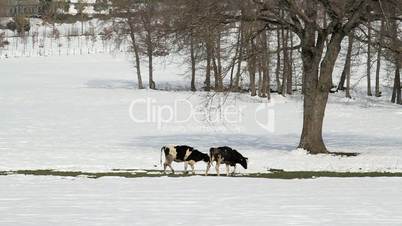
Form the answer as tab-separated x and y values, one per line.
33	200
72	113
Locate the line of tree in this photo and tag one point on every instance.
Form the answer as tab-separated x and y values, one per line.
247	38
265	46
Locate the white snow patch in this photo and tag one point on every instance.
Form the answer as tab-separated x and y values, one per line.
33	200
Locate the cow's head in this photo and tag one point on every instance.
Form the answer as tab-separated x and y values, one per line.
205	157
243	161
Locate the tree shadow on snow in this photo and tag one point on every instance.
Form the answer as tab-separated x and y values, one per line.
204	141
131	84
269	142
358	142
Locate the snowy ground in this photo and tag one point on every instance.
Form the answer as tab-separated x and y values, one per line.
72	113
33	200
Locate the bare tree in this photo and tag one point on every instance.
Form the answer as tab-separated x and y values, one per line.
144	22
319	25
318	64
127	16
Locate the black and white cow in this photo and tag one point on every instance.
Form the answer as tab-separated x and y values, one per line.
228	156
182	153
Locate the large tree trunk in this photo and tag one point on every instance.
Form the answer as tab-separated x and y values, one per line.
314	108
316	87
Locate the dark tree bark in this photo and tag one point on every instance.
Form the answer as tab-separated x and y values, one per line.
236	85
289	88
341	84
193	63
150	62
215	69
252	67
234	61
266	66
317	87
208	67
136	54
232	66
285	69
369	57
278	61
377	73
219	61
264	61
396	91
348	65
147	21
346	68
260	80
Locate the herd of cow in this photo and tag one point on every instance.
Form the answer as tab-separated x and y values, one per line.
189	155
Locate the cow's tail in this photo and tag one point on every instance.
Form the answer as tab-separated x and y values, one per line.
162	149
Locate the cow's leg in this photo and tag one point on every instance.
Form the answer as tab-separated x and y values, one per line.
164	167
170	166
191	163
234	170
218	163
185	167
227	169
208	166
168	162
